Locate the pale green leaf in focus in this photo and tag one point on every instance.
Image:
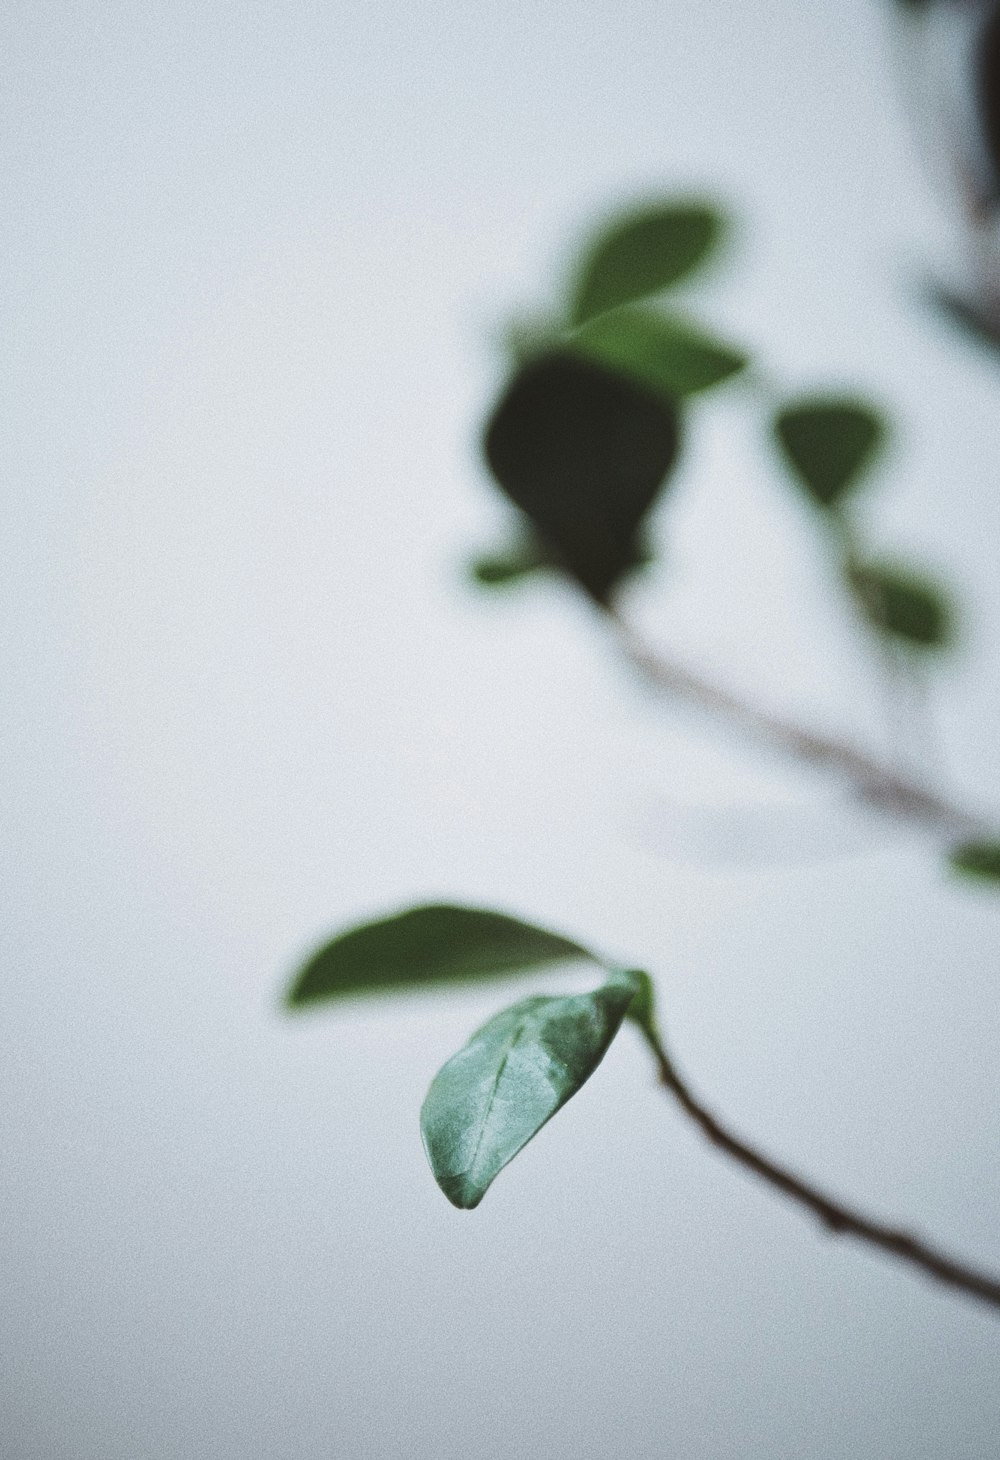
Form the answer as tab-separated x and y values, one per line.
488	1101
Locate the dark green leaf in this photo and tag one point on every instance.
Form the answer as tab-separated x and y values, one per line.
977	859
489	1100
423	946
643	252
584	453
901	604
828	443
665	354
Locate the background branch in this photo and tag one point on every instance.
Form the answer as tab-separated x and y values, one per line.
878	783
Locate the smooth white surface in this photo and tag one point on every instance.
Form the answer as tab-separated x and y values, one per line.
258	253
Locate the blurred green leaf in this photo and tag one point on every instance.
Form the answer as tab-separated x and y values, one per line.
527	557
584	453
511	565
642	252
981	327
427	945
902	604
828	443
977	859
663	353
488	1101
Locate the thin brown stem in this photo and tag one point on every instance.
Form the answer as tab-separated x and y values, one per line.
838	1219
877	782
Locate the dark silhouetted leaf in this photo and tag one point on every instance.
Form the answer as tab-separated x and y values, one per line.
643	252
584	453
665	354
488	1101
426	945
977	859
828	443
901	604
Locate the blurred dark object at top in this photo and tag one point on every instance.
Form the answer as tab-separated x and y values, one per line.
950	53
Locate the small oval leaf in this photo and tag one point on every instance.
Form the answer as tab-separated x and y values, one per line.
488	1101
584	453
642	252
666	354
828	443
979	859
901	604
510	565
424	946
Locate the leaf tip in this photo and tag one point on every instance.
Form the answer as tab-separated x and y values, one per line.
464	1195
976	861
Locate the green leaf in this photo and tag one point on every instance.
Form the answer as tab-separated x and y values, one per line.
520	560
526	558
977	859
584	453
902	605
423	946
642	252
665	354
488	1101
828	443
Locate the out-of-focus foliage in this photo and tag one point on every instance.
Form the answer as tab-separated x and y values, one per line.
584	453
979	859
829	443
901	605
660	351
642	252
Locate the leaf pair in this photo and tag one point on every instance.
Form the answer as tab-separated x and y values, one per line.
587	431
521	1067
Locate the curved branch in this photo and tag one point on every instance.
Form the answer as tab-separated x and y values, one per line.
838	1219
878	783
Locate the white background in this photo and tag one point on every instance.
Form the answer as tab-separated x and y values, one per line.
258	255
